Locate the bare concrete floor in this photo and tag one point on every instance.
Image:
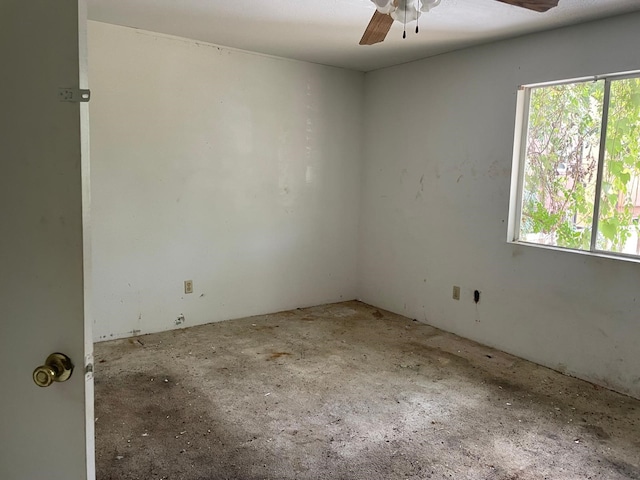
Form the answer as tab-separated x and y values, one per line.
346	391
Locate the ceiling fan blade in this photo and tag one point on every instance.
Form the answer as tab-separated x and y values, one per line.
377	29
535	5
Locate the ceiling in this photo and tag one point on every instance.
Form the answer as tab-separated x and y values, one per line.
328	31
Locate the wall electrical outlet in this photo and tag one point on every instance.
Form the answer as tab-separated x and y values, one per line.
188	286
456	292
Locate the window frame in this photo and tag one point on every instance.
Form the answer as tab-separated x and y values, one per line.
519	158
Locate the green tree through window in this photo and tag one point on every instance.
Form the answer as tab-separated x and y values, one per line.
566	170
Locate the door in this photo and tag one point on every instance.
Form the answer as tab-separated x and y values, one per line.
45	433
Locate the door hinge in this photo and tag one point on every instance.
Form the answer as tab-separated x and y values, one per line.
74	95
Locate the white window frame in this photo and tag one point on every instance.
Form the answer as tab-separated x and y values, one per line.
519	158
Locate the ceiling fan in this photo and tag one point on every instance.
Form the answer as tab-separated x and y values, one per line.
409	10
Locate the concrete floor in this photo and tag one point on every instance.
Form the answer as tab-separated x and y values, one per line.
347	391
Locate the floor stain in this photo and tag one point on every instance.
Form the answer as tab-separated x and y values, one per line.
275	355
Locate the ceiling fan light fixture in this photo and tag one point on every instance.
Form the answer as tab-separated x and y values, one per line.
406	12
429	4
384	6
397	8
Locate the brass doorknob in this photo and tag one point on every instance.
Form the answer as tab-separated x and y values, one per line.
57	368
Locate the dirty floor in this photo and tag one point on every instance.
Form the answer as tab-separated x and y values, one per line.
347	391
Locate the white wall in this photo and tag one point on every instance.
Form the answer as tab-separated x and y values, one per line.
438	152
234	170
240	172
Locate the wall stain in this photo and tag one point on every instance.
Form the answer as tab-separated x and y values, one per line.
496	171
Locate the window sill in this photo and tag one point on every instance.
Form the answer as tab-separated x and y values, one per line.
610	256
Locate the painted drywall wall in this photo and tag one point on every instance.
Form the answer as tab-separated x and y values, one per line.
437	155
237	171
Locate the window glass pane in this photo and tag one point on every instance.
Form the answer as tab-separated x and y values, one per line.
561	164
620	196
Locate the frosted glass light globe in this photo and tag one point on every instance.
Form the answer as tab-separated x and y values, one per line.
429	4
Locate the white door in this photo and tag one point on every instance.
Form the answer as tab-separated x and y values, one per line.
45	433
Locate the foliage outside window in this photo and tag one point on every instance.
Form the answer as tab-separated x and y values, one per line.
579	184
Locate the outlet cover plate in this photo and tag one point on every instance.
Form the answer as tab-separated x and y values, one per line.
456	292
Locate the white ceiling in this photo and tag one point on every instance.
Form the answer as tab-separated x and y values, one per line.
328	31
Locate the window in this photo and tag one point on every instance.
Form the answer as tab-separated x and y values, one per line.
576	181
